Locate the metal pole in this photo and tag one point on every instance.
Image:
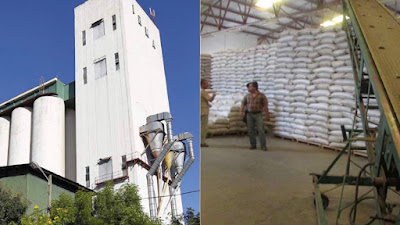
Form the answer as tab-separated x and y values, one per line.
174	211
49	184
149	176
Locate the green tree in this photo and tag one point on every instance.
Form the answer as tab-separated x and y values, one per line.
121	207
12	206
105	207
84	206
191	218
63	209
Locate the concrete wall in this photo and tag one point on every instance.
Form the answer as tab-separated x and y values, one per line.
110	110
70	145
223	40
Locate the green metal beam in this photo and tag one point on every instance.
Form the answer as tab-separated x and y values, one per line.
64	91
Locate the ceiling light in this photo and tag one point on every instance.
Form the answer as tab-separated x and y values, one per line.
266	4
338	19
327	24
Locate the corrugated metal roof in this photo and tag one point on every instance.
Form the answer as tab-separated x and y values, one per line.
244	16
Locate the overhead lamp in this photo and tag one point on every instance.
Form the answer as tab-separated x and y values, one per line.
338	19
327	23
335	20
266	4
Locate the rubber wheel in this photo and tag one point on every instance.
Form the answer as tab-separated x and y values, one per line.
325	201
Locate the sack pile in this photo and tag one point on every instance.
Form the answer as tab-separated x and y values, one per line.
224	114
205	66
307	77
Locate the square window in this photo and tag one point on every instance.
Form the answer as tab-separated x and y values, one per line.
98	29
114	22
139	20
100	68
124	165
116	61
87	177
84	75
105	169
83	38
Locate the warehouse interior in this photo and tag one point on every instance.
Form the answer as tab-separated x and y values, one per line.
329	72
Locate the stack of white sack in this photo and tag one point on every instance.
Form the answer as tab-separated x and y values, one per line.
224	114
307	77
314	86
205	66
236	123
218	121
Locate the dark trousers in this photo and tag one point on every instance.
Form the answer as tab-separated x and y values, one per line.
255	125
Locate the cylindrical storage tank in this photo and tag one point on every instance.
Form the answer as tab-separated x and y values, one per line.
4	139
48	134
20	136
70	144
179	157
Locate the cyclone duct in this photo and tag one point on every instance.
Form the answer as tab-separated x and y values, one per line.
154	134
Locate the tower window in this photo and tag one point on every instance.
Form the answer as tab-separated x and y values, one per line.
83	38
154	45
116	61
98	29
84	75
114	22
105	169
87	177
146	32
133	9
139	20
100	68
124	166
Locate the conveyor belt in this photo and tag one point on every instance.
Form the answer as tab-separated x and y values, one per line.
382	35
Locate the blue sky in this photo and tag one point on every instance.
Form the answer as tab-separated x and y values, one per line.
38	40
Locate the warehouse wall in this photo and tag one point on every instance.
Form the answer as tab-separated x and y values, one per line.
33	189
223	40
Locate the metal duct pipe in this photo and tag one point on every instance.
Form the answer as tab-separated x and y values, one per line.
163	116
169	129
174	211
149	176
189	138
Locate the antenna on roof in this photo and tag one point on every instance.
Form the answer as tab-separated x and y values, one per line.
153	15
41	85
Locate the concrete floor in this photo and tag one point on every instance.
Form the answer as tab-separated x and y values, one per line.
242	186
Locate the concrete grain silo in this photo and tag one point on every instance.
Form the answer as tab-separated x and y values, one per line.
4	139
20	136
48	134
36	130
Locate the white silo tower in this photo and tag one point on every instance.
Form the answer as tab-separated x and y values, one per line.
20	136
4	139
120	81
48	134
